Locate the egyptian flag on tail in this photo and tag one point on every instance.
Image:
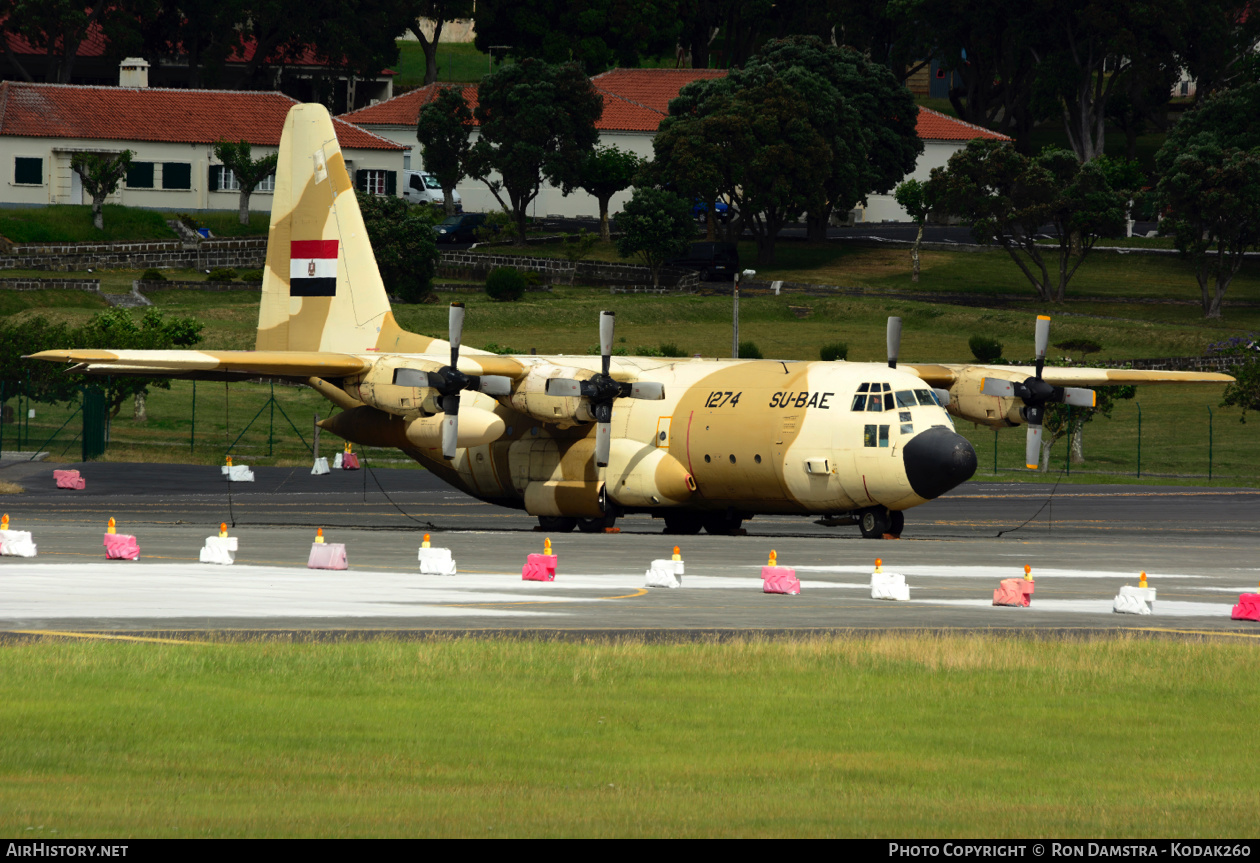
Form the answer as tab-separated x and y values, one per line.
313	268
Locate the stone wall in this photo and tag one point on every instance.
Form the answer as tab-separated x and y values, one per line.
176	285
243	252
30	284
473	265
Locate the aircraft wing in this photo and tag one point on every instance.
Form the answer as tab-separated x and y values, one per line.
945	375
182	363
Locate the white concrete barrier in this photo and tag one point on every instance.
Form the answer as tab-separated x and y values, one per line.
220	550
665	573
237	473
16	543
436	561
889	585
321	467
1134	600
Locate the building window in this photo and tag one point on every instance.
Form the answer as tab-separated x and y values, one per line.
28	171
140	175
375	181
176	175
223	179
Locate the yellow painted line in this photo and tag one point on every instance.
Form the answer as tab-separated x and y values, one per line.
95	635
642	591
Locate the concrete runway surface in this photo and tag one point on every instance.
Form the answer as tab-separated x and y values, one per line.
1198	546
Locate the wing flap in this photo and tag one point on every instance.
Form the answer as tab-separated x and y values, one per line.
945	375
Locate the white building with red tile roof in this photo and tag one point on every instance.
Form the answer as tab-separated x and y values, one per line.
635	102
171	133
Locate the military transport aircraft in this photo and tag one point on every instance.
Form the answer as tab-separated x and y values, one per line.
578	441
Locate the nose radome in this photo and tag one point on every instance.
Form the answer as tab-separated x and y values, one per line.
936	460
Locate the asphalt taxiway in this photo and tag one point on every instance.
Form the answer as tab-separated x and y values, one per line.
1197	544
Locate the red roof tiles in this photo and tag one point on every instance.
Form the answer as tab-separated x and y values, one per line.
155	114
636	100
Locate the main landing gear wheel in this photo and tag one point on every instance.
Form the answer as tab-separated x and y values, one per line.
876	522
683	523
898	520
722	525
557	523
596	525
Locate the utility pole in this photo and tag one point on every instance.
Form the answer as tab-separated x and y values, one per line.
735	321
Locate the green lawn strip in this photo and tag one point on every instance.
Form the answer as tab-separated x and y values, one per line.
72	223
457	61
227	223
893	735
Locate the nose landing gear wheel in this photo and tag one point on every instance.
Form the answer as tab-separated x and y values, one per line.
723	525
557	523
875	522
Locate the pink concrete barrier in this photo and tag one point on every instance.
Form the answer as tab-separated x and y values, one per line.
780	579
349	461
539	567
121	546
1014	591
327	555
1248	607
69	479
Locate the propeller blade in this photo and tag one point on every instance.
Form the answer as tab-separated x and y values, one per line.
1079	398
450	426
607	321
1032	448
1043	340
564	387
495	385
410	378
456	331
894	341
647	390
997	387
603	443
942	396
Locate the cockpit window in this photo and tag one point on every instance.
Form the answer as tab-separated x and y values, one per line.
905	399
887	387
864	388
925	397
888	402
875	403
859	402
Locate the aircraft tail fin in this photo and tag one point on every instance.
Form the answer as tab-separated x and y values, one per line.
321	288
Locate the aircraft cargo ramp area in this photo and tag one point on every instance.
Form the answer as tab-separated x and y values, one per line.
1196	544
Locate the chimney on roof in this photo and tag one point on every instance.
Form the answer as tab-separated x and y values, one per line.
133	72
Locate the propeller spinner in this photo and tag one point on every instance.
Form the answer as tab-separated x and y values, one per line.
1035	393
601	390
449	381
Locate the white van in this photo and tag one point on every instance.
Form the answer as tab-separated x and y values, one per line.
422	188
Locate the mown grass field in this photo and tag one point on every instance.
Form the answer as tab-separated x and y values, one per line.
72	223
884	736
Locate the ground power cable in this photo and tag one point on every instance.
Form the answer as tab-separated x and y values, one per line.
1049	502
367	468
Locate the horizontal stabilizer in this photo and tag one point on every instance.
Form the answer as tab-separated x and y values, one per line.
161	363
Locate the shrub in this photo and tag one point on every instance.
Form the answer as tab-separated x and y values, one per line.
750	351
834	351
152	275
190	221
496	348
669	349
647	351
985	349
593	350
505	284
221	274
578	246
252	276
533	279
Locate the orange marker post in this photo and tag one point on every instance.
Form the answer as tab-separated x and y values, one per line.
677	550
223	529
425	543
879	565
319	535
113	526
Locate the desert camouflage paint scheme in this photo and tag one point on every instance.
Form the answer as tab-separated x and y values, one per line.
729	439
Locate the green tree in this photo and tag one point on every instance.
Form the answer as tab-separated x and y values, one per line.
1061	420
403	244
655	225
758	146
101	175
58	27
117	329
914	199
41	382
440	12
605	172
1210	196
597	34
1009	197
1244	392
238	158
443	130
536	121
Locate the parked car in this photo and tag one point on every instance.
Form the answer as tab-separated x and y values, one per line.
713	260
422	188
721	210
459	229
